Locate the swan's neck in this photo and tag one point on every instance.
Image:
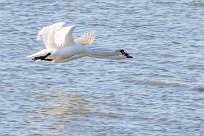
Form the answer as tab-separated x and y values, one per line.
98	53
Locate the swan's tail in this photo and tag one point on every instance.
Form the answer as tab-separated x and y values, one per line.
40	53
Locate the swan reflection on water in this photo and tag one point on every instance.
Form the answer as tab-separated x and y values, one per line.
65	105
57	110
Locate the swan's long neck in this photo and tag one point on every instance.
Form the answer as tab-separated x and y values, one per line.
100	54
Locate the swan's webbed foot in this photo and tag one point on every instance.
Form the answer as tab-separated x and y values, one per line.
42	57
38	58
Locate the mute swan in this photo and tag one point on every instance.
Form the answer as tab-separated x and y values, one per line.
61	47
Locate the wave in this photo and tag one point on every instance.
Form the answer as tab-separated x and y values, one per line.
199	89
162	84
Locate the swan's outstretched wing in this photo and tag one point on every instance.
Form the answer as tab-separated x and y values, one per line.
86	39
47	34
63	37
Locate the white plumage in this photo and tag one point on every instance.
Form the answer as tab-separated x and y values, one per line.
86	39
47	34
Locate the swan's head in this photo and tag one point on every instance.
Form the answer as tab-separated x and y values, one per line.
125	54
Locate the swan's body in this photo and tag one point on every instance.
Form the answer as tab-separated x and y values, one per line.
61	47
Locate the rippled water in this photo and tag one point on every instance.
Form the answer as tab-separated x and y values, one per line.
159	92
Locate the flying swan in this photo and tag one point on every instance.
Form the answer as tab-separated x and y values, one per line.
61	47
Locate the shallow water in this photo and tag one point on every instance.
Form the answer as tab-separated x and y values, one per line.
159	92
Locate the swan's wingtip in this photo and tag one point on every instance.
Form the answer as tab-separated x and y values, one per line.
73	26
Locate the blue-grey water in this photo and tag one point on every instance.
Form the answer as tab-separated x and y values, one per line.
158	93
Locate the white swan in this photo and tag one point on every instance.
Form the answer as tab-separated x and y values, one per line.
61	47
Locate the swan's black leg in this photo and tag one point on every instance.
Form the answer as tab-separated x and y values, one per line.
43	57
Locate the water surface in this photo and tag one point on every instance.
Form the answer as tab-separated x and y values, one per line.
159	92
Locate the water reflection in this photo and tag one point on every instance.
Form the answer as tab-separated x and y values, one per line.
57	110
65	104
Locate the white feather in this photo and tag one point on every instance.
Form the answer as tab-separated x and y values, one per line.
86	39
40	53
47	34
63	37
